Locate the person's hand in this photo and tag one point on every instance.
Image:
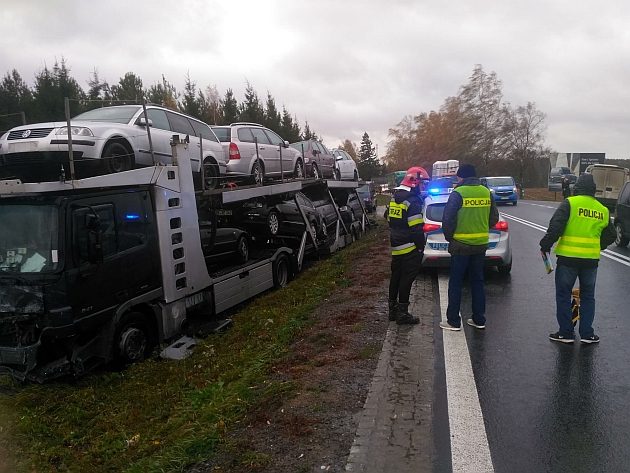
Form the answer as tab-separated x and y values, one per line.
545	248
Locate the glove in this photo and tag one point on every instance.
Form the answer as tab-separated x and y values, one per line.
544	246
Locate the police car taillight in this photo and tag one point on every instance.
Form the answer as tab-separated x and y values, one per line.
431	227
501	226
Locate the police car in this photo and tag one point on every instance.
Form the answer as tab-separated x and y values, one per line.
436	253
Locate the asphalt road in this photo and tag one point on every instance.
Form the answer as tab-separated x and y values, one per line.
548	407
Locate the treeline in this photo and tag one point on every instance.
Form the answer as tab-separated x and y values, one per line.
45	100
476	126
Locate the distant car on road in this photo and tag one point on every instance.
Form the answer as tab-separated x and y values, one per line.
499	253
502	189
108	140
367	192
556	175
622	217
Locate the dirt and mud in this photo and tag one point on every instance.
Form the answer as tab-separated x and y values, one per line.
332	366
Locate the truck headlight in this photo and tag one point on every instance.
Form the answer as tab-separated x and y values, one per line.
75	131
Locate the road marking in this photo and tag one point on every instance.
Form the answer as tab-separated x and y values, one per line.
470	452
613	255
540	205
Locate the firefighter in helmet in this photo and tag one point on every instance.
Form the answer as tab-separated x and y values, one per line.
404	214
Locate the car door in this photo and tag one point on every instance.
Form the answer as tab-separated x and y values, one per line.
180	124
266	151
327	160
287	153
339	162
623	209
160	139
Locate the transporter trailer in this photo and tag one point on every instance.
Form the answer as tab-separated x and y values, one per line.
106	268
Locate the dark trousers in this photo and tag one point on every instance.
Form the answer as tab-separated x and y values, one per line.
460	264
405	268
565	279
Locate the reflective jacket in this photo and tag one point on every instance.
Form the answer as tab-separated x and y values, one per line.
458	219
404	214
581	237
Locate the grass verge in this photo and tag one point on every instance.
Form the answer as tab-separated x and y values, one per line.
165	415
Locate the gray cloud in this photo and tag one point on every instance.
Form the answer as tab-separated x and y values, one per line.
352	66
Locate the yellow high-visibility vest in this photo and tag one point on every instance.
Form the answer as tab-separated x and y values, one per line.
587	220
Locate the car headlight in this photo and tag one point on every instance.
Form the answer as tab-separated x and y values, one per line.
492	191
514	189
75	130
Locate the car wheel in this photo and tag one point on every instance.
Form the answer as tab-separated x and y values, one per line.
273	222
242	249
258	173
316	173
281	272
211	174
620	239
515	203
298	172
505	269
132	340
356	176
337	175
117	158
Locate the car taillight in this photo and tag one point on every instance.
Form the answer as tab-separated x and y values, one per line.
234	152
501	226
431	227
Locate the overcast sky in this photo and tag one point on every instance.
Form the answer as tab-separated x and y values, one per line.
350	66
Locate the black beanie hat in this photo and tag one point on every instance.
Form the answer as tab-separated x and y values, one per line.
466	170
585	185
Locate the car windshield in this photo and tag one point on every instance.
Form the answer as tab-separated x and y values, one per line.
435	212
223	133
122	114
499	181
28	238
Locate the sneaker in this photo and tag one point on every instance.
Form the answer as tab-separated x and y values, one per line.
472	323
558	337
447	326
591	339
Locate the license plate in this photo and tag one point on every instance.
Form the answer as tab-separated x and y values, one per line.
439	246
23	147
223	212
504	198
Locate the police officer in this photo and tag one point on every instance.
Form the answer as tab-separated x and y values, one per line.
583	228
407	240
468	215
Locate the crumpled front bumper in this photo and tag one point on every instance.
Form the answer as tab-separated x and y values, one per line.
18	361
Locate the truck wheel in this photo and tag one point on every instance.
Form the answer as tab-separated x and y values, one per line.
242	249
117	158
620	240
132	342
281	271
273	222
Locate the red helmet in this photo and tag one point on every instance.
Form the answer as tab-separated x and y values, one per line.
414	177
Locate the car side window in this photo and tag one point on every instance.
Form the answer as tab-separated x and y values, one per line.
180	124
158	118
274	138
326	151
260	135
245	135
203	130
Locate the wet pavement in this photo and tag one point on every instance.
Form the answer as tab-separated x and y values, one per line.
546	407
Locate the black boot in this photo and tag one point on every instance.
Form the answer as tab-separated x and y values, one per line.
393	310
404	317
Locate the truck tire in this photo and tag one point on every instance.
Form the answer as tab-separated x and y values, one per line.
132	340
281	271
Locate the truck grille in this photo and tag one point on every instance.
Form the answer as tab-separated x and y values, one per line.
35	133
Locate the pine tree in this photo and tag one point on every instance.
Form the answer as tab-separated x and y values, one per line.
15	99
190	103
273	120
251	109
368	164
129	89
229	106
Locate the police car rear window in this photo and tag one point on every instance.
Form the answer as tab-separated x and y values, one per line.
435	212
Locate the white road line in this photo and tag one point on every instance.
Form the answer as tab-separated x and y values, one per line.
540	205
613	255
470	451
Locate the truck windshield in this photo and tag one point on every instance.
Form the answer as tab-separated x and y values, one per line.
28	238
